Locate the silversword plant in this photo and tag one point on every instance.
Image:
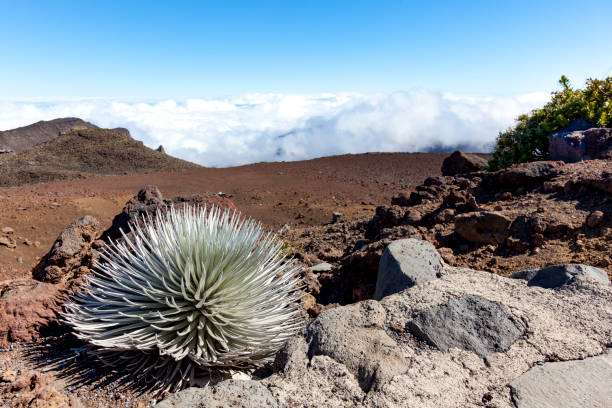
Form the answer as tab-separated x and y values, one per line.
191	288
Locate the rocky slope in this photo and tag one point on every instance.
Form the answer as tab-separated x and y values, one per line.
529	216
82	152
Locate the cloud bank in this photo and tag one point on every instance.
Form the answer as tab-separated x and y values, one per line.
273	127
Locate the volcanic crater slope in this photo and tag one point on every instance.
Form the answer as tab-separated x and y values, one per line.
23	138
81	152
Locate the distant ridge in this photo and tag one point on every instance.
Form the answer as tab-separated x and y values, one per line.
85	151
26	137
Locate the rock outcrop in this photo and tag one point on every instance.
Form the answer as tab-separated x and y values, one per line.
483	227
461	163
27	310
580	141
471	323
72	254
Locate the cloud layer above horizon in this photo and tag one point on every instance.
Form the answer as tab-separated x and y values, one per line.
273	127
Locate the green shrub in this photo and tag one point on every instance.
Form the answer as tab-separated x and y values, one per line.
528	140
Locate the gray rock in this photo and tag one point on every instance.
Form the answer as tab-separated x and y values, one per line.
558	275
470	323
352	335
568	384
573	323
228	393
321	267
405	263
525	274
292	356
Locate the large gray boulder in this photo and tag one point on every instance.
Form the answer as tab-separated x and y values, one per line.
558	275
405	263
228	393
568	384
471	323
354	336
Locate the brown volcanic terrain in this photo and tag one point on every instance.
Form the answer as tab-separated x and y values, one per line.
82	152
26	137
275	193
551	206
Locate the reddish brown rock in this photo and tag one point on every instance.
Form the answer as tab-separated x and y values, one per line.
36	390
524	174
26	308
483	227
461	163
7	242
71	250
412	217
595	218
401	199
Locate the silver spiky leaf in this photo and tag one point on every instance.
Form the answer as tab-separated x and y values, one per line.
207	287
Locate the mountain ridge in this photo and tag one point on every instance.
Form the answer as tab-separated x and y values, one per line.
25	137
84	151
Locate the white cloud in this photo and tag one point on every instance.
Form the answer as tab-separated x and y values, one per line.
268	127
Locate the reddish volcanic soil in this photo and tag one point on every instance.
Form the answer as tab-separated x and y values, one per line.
305	192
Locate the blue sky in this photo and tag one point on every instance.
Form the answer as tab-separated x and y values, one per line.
234	82
181	49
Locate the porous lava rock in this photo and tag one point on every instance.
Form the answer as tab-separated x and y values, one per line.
34	389
471	323
71	254
580	141
461	163
525	174
27	309
353	336
483	227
